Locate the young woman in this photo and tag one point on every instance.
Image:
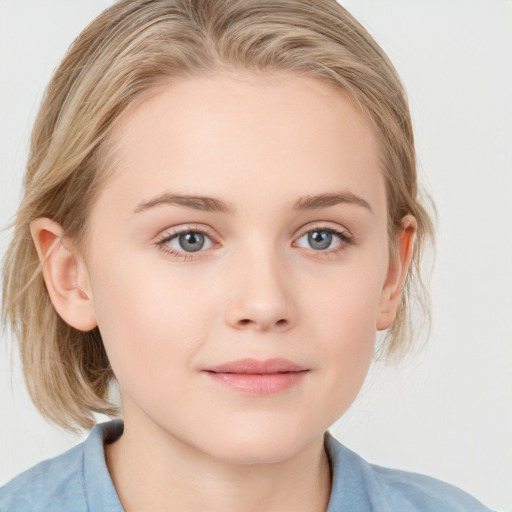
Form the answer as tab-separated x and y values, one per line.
220	212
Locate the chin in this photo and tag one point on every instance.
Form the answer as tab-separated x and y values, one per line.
260	446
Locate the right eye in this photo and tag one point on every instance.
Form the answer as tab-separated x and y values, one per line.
185	242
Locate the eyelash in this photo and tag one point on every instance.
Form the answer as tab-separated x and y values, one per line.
161	243
345	240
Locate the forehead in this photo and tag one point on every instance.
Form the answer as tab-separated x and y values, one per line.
245	137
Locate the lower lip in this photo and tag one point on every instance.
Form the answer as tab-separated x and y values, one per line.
258	384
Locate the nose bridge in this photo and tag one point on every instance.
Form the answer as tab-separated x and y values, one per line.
259	294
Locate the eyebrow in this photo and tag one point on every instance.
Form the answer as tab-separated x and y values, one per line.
330	199
212	204
205	204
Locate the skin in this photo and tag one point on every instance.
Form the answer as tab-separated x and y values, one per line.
257	288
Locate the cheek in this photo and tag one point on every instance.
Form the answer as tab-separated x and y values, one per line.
348	298
348	317
344	323
149	323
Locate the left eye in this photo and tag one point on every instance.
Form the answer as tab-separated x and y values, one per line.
322	239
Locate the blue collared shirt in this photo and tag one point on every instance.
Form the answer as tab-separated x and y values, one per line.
79	481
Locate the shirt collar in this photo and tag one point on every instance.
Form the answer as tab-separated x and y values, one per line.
100	493
348	490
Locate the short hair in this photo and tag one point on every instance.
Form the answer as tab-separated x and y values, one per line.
123	56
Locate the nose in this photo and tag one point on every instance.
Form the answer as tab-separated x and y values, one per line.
260	295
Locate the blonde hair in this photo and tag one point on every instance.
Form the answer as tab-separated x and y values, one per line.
122	56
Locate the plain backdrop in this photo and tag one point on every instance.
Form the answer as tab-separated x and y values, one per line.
448	411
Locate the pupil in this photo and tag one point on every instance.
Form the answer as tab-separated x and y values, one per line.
320	239
191	242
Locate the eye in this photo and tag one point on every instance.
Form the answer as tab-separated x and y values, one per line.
185	242
321	239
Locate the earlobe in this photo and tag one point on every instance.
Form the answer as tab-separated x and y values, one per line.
64	273
397	272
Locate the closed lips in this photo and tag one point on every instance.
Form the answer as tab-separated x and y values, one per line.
254	366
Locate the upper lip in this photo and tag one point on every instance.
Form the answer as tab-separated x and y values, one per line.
250	365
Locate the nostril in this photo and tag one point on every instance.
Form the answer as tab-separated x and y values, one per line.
246	321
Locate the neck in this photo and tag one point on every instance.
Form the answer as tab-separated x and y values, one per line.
157	472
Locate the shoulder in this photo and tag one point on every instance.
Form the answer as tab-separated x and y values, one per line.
76	480
420	492
53	483
374	488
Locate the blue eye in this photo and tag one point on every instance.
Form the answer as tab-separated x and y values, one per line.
323	239
191	242
185	242
319	240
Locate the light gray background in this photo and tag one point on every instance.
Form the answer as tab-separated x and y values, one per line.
448	412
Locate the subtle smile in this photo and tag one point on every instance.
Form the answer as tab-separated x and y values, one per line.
254	377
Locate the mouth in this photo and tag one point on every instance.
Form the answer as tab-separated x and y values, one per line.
254	366
254	377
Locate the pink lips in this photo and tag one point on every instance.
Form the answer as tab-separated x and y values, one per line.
255	377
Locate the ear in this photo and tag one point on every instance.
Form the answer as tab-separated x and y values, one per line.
397	272
65	274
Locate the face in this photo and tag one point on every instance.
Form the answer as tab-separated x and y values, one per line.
245	220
